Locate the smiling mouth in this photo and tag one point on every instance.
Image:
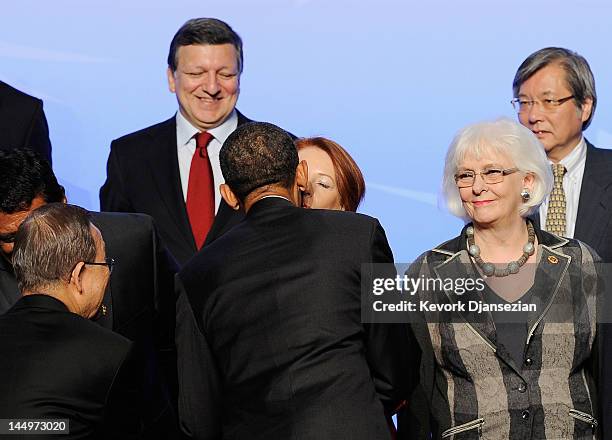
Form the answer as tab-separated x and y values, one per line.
208	99
482	202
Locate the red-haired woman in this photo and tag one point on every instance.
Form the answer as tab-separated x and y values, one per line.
334	179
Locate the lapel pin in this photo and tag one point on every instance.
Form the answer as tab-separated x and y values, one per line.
552	259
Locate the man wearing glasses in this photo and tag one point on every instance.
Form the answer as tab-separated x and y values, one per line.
56	363
139	300
554	96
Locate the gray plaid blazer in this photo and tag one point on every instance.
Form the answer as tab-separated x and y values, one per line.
471	387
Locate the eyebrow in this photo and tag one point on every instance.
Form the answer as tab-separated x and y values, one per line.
325	175
486	166
546	93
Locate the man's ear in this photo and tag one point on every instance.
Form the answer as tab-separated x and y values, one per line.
229	196
301	176
64	200
586	110
75	276
171	84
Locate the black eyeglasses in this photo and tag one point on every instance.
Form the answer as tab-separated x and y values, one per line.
108	262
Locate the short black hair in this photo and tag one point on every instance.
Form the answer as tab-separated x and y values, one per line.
204	31
24	175
257	154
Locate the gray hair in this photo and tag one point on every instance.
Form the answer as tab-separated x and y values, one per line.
204	31
503	136
578	75
49	244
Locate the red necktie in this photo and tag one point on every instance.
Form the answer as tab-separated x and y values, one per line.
201	191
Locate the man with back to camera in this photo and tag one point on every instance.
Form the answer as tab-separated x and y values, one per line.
139	301
156	171
23	122
274	346
54	362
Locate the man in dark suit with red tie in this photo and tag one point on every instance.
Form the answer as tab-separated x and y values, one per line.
171	170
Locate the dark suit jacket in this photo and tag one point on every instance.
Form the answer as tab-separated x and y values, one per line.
143	176
140	303
23	122
269	334
594	218
56	364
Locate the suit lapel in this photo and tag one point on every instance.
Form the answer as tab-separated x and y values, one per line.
163	161
593	208
162	158
241	118
552	267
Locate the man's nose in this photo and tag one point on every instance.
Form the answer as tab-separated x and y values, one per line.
211	83
534	113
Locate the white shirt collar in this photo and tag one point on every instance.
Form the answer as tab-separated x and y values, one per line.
185	131
577	156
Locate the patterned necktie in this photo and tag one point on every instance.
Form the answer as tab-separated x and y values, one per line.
555	217
201	191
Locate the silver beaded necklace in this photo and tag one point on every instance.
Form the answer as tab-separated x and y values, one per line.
512	267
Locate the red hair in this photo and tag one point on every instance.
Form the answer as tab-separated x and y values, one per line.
349	179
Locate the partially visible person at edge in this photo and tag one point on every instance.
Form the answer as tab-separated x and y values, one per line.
527	374
22	122
555	97
55	363
334	179
139	300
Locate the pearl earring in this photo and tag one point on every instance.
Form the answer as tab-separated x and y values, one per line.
525	195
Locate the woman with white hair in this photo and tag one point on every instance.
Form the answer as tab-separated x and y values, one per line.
517	359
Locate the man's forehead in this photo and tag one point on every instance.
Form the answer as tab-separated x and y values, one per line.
551	77
203	51
9	223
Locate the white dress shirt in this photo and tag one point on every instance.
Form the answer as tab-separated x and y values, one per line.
186	146
572	183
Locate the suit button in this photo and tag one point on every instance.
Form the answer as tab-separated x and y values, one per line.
525	415
528	362
522	388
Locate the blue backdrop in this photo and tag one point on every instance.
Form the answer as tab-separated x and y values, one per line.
392	81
